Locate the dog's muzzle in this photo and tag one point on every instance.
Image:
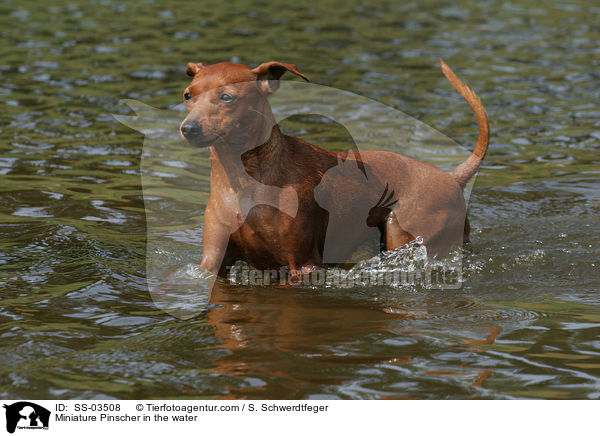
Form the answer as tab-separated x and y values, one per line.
192	132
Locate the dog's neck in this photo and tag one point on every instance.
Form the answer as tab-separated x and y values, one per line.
244	165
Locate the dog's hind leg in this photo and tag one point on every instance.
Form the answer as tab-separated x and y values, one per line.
395	235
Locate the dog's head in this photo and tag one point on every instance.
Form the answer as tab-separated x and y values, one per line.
227	103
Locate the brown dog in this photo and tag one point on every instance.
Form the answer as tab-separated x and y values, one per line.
268	189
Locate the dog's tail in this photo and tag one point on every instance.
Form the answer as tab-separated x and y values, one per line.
463	173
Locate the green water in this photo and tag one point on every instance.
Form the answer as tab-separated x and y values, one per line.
76	317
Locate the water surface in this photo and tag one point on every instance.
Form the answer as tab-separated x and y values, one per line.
77	320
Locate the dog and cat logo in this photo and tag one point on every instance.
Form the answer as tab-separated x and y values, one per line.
26	415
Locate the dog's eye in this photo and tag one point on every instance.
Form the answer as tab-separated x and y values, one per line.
187	96
226	98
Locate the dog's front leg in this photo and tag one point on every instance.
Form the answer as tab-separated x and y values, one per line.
216	235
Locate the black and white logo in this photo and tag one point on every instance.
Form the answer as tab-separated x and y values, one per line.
26	415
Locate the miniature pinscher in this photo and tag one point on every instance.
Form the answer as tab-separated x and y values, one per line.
266	202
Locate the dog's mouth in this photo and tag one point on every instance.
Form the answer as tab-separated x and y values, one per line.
200	141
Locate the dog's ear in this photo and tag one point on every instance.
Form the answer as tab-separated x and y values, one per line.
193	68
269	73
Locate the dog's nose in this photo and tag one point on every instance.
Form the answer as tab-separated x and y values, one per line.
191	129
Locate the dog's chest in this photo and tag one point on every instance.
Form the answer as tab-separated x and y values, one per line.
269	237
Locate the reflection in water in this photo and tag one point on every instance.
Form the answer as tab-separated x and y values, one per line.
261	326
298	340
